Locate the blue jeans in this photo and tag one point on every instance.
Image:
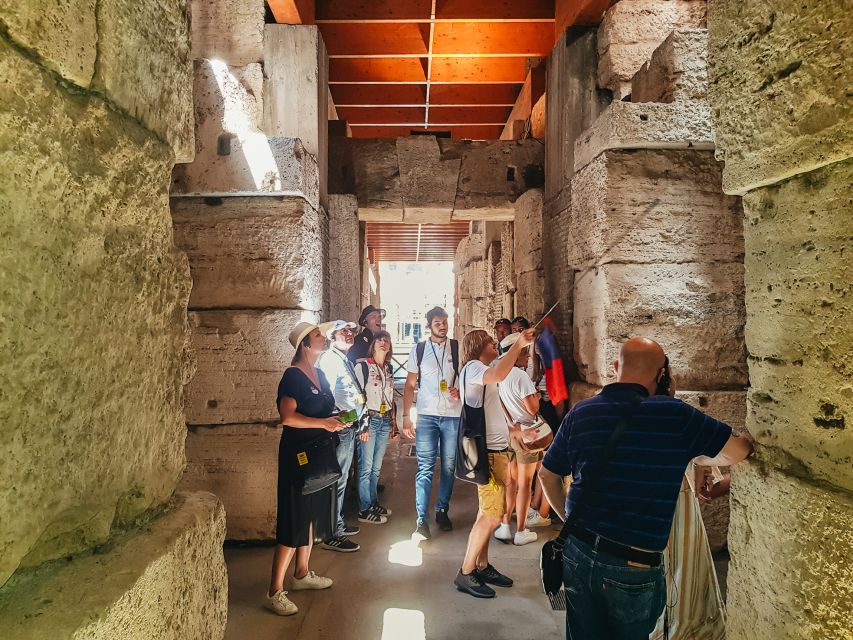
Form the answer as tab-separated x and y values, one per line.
345	452
608	598
435	435
370	455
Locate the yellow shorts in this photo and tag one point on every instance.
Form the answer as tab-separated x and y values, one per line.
492	496
524	456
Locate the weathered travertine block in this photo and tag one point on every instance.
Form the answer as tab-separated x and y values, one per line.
791	573
528	231
377	179
239	463
477	279
166	580
530	295
799	302
579	390
228	30
63	34
494	274
344	258
780	86
480	317
646	125
145	66
650	206
233	154
728	406
241	356
632	29
256	252
695	311
678	69
493	175
508	256
93	331
296	91
428	182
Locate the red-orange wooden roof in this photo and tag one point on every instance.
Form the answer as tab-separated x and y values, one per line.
399	242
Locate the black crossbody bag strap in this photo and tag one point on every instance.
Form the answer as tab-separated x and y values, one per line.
594	479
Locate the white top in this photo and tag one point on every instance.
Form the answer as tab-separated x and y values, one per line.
515	387
497	430
437	365
338	372
379	385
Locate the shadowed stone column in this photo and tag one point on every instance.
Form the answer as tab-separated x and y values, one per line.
782	117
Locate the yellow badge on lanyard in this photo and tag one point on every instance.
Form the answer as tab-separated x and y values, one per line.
302	458
383	408
443	386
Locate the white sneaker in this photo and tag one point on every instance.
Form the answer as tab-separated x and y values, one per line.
536	520
311	581
525	537
503	533
280	604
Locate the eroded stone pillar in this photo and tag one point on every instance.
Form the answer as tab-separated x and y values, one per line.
96	108
782	126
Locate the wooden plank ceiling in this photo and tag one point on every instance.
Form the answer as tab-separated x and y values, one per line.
396	242
428	65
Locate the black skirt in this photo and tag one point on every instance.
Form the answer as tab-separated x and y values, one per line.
301	516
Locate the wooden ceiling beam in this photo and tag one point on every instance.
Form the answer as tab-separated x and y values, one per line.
495	9
357	40
471	115
361	10
492	94
494	39
292	11
569	13
458	132
354	70
479	70
360	95
382	115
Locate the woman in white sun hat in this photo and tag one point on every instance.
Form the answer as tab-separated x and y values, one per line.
307	407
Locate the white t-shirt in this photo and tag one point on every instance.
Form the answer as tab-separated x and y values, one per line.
437	365
497	430
515	387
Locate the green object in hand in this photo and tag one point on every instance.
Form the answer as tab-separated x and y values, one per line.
348	416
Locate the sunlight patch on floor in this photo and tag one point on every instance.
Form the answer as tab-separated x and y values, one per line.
403	624
406	552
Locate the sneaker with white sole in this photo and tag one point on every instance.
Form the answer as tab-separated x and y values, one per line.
503	533
340	543
382	511
524	536
311	581
536	520
369	516
281	604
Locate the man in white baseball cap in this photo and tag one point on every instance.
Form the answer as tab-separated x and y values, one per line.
349	396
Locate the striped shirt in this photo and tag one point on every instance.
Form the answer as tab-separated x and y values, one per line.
635	499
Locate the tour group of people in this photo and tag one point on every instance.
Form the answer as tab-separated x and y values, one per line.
338	397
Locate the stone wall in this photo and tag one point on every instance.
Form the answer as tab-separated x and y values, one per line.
422	179
248	212
95	110
782	126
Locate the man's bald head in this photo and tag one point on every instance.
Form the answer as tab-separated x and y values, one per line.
640	360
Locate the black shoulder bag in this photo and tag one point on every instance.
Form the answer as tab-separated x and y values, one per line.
472	455
551	560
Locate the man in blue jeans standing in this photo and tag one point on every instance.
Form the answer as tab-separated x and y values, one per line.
349	395
433	369
615	586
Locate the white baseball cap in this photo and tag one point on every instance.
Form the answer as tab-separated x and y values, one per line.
510	340
328	328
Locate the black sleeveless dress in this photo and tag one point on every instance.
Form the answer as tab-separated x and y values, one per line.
296	512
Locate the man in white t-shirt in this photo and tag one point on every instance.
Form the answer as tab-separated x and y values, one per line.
432	370
479	382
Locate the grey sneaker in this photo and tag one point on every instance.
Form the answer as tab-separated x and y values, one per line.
493	576
340	543
473	585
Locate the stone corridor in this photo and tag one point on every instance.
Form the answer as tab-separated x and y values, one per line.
182	181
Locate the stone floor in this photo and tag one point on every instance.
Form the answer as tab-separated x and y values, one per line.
394	589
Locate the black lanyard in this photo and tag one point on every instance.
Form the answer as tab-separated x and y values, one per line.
440	363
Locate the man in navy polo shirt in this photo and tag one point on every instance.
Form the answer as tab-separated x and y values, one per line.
614	581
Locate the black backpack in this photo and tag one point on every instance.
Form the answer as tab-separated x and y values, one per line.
454	354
